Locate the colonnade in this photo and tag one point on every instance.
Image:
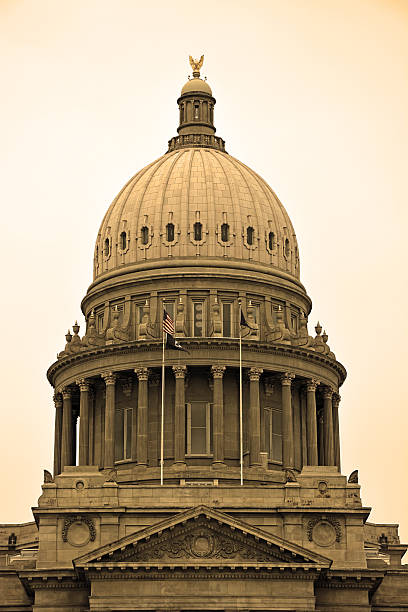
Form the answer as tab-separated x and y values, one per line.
326	422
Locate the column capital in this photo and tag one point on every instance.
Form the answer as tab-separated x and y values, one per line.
142	374
57	399
217	371
83	384
336	399
179	371
109	378
312	384
327	393
286	379
66	393
255	373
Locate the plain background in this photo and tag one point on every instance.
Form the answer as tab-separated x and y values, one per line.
312	94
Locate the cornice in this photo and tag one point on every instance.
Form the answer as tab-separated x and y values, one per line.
144	346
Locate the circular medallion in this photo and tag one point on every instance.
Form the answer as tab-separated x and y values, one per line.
324	534
78	534
201	546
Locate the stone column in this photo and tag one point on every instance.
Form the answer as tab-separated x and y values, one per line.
336	429
57	433
109	451
180	414
328	426
84	388
142	412
311	416
67	430
254	417
303	412
287	417
218	413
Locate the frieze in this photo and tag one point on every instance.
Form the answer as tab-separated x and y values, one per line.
204	573
221	344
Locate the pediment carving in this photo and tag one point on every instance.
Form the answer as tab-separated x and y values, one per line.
201	536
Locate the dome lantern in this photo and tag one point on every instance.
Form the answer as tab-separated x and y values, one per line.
196	111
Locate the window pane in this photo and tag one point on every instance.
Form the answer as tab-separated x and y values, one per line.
118	435
276	448
198	414
198	441
169	307
277	422
226	320
128	433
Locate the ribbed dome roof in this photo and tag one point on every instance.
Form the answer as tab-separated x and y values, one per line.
196	202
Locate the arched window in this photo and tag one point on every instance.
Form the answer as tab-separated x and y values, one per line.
122	241
144	234
250	235
106	249
170	232
225	232
97	253
196	111
271	241
287	248
198	231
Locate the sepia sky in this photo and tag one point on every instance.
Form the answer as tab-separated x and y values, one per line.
311	94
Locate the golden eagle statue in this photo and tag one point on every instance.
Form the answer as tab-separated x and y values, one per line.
196	64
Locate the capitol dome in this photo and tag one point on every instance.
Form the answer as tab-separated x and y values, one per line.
196	203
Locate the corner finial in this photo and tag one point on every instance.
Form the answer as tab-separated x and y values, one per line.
196	65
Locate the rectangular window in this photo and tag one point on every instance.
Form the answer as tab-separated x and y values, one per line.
123	434
226	319
273	425
198	320
100	322
169	306
198	428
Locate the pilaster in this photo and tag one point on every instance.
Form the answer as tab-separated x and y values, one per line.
109	454
254	417
179	414
287	416
217	372
142	415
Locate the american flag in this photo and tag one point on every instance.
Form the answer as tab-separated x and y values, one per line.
168	325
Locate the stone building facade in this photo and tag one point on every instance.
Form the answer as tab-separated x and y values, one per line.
200	235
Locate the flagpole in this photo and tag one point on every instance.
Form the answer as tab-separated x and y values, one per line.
241	441
162	417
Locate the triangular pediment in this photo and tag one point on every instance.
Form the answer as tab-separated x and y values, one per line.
201	536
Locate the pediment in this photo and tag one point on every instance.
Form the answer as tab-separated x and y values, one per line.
201	536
